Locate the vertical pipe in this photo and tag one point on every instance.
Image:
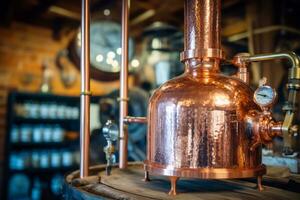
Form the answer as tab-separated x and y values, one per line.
85	90
124	88
202	38
202	24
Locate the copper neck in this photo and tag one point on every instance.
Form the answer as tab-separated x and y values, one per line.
199	67
202	31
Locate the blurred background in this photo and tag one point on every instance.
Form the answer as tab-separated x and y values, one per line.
40	78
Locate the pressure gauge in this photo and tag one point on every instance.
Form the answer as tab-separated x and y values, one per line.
264	96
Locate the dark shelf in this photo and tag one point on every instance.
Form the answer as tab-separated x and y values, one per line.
21	96
43	145
44	171
22	120
44	174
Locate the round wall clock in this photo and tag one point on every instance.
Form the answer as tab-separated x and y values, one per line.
105	50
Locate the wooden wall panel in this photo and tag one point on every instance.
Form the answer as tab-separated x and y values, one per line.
24	48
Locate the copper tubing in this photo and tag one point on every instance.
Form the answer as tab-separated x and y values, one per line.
242	73
271	56
124	88
85	90
293	86
202	29
141	120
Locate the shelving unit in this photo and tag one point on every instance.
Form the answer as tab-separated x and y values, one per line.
43	159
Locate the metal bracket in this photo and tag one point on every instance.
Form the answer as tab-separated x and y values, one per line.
89	93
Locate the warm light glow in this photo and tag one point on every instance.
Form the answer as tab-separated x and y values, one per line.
106	12
99	58
109	60
119	51
111	54
135	63
221	100
115	66
115	63
156	43
79	39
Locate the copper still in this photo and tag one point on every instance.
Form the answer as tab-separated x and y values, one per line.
203	124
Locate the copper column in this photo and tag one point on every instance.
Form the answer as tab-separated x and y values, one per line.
202	29
85	90
124	88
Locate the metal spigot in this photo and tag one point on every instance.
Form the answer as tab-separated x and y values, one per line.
110	131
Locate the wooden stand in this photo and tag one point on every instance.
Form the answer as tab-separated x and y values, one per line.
128	184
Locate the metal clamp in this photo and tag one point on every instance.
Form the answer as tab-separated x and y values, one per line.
88	93
202	53
122	99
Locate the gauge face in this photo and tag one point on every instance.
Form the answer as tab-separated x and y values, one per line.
264	96
105	45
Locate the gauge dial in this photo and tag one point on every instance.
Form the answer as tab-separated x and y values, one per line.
264	96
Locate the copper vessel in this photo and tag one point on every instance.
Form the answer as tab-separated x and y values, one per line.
200	123
197	127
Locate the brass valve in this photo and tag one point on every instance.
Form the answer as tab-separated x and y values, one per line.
261	128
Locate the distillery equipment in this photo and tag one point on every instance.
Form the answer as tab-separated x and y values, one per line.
203	124
206	125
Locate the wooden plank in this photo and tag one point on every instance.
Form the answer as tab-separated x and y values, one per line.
130	181
128	184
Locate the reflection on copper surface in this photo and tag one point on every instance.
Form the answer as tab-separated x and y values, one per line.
221	100
198	124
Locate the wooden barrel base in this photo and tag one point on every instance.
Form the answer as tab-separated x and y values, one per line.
128	184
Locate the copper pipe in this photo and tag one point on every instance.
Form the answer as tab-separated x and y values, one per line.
293	86
129	119
124	88
242	73
85	90
271	56
202	29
